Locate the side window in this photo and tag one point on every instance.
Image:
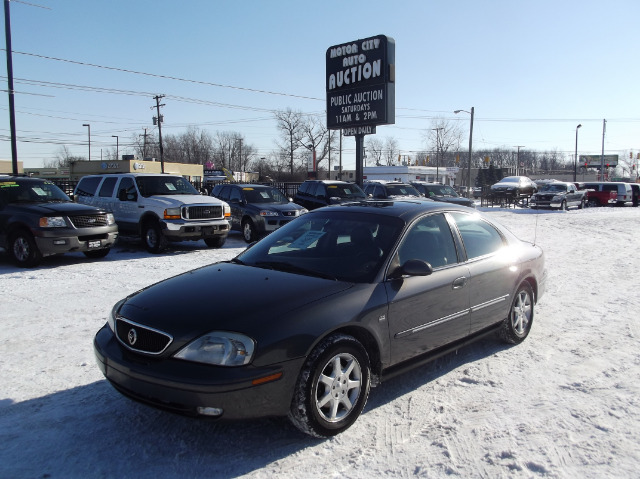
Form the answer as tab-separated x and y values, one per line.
223	193
321	191
235	195
127	190
311	189
430	240
88	186
106	190
303	188
479	237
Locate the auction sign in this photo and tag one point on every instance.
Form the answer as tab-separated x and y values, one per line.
361	83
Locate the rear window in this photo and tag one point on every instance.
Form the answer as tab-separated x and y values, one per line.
88	186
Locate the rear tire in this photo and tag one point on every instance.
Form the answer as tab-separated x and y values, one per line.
517	325
23	249
333	387
152	237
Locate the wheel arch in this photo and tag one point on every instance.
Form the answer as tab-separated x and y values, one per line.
364	337
147	217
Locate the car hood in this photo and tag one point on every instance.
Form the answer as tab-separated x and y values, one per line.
224	296
277	206
53	208
167	201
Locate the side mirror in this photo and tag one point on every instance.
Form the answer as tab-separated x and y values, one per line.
412	267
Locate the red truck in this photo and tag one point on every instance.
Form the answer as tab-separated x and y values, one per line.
600	193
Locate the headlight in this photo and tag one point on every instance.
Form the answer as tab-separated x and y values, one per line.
220	349
52	222
172	214
268	213
227	211
303	211
110	219
111	318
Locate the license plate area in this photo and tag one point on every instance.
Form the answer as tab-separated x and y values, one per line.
93	244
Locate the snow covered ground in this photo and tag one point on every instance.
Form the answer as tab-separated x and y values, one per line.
563	404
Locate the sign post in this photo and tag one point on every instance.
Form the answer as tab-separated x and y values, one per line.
360	87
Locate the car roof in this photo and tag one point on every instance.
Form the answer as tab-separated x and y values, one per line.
407	209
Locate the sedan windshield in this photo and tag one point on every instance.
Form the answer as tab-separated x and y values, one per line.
402	190
338	245
164	185
554	187
31	192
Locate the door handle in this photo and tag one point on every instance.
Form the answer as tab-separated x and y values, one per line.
459	283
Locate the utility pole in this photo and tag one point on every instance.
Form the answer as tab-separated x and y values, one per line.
144	144
159	119
604	129
518	157
12	112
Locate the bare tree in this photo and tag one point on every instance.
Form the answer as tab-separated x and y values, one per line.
290	124
390	150
375	149
63	158
443	137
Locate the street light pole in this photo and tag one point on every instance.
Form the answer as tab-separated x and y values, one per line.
518	157
89	135
469	193
117	146
575	157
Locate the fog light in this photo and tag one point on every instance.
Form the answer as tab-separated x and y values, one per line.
59	242
209	411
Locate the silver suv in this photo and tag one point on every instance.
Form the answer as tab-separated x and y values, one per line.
157	207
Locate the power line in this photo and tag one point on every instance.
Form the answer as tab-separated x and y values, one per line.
168	77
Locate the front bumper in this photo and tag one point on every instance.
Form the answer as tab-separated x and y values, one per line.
183	386
58	241
178	230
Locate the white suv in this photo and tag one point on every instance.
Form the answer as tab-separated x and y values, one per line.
157	207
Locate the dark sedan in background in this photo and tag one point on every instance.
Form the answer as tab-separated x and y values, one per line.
306	320
446	193
516	186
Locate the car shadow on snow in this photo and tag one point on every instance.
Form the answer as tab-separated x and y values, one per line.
124	249
94	430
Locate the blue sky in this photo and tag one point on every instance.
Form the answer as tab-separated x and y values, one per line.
532	70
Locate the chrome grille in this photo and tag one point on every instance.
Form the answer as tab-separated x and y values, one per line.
202	212
141	338
88	221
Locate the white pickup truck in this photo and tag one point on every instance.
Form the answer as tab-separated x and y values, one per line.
157	207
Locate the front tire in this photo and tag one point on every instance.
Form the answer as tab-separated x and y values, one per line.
249	232
333	387
517	325
563	205
152	237
23	250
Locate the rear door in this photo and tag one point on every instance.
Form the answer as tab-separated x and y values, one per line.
492	275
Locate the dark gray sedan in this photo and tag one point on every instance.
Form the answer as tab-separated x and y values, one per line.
305	321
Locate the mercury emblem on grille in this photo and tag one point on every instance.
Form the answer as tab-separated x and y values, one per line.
132	336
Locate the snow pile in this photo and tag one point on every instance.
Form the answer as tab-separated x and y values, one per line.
565	403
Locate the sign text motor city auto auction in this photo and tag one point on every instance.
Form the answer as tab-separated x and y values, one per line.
357	68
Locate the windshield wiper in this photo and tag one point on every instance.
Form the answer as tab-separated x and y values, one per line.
292	268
